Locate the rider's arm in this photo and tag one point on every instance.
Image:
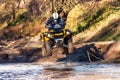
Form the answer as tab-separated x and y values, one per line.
62	22
49	22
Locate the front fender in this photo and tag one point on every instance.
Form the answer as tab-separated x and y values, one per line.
44	37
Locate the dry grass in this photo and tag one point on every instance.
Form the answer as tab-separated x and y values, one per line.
98	27
83	10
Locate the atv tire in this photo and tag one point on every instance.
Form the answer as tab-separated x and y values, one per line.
70	46
46	49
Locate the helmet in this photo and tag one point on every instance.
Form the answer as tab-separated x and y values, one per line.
55	15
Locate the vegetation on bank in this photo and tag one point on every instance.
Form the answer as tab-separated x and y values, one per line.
98	16
94	28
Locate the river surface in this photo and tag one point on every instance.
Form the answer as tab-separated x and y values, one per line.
60	71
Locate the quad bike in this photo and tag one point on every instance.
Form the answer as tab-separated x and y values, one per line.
56	38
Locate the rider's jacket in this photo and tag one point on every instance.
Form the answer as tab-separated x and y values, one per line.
55	24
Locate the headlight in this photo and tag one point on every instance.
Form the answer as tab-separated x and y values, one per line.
49	35
67	32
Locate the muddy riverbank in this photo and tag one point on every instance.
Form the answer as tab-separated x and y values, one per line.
29	50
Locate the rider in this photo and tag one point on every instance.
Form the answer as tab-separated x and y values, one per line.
55	22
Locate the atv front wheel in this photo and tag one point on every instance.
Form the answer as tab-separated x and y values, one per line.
46	49
70	46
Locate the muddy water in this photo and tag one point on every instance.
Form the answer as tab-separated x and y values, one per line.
60	71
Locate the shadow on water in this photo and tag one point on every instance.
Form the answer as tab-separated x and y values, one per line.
58	72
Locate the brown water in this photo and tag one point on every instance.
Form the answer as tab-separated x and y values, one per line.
60	71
